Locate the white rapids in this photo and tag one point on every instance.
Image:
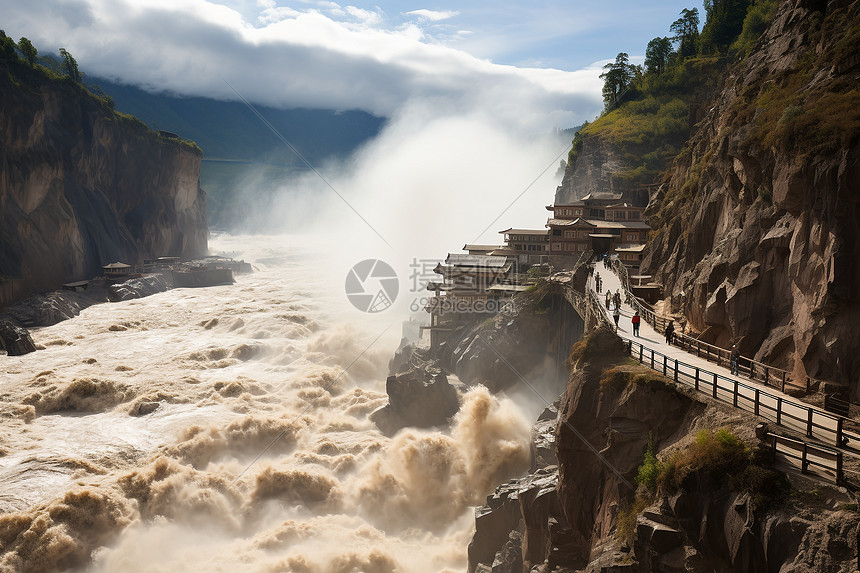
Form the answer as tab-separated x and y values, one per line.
259	455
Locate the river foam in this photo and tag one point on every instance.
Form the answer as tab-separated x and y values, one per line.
215	429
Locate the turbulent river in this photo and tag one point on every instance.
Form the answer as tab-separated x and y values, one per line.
226	429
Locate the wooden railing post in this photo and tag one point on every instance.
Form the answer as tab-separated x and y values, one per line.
840	439
665	359
809	424
756	406
676	370
715	385
735	404
697	378
652	359
640	353
779	411
804	464
840	478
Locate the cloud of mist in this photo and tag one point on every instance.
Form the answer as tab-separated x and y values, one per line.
333	57
432	181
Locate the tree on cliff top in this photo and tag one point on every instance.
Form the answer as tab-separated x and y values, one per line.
70	65
27	50
657	55
616	79
723	23
686	29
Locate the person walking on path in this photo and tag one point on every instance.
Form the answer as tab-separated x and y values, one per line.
597	281
607	300
736	354
617	299
616	315
636	320
670	332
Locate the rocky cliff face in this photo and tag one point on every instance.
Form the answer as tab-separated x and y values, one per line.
587	513
757	234
590	170
82	186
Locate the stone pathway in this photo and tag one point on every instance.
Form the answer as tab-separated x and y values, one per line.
791	407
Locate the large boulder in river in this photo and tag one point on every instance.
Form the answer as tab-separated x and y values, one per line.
420	398
14	339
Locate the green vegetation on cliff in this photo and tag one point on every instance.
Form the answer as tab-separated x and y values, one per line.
651	109
21	66
788	116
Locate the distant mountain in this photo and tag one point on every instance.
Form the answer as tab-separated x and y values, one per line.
234	140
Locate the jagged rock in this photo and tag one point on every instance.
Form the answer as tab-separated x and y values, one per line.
400	362
418	398
543	439
144	408
538	498
529	506
15	340
493	525
139	287
657	536
509	559
592	172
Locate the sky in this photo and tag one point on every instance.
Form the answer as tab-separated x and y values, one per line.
533	63
473	94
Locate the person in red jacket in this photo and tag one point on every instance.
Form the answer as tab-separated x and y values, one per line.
636	321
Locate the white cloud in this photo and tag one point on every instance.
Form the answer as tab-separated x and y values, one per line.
433	15
367	17
297	58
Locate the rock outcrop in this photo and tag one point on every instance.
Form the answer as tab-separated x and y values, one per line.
14	339
595	161
757	230
82	186
421	397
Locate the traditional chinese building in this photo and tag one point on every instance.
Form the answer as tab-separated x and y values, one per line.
473	249
117	270
529	246
471	288
599	222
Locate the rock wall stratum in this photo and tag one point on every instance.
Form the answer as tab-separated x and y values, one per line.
82	186
757	227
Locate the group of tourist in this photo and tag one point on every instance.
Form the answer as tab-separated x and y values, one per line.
614	300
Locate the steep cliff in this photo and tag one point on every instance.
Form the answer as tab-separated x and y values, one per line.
756	231
82	186
707	501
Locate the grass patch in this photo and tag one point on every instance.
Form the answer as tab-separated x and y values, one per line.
584	349
625	526
724	458
615	379
650	469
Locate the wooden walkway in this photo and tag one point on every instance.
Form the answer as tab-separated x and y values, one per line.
825	431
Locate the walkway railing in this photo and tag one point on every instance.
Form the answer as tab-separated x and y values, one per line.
752	369
816	424
782	411
826	459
